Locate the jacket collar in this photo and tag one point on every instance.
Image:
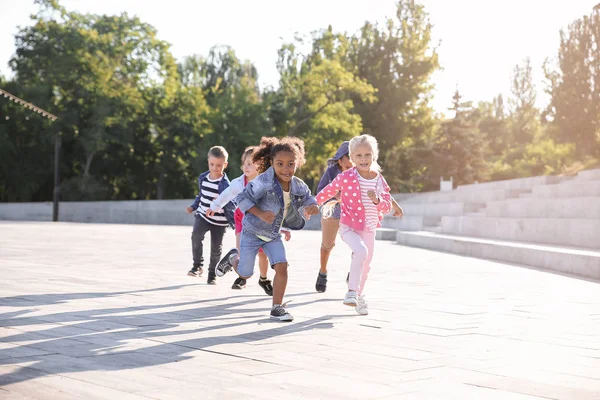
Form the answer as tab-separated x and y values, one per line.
295	187
205	174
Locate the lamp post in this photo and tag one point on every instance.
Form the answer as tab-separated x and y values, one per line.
57	143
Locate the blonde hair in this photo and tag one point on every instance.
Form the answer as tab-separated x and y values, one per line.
218	152
248	152
328	208
372	143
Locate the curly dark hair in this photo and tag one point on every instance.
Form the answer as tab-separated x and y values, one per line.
270	146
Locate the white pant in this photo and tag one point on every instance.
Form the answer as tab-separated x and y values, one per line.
362	244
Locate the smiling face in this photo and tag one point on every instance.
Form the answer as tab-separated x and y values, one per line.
284	164
249	168
362	157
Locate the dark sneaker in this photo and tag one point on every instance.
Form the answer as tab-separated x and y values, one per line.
280	313
239	283
211	278
321	284
196	271
225	265
266	285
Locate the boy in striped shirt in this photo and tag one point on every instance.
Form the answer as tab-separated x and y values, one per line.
210	183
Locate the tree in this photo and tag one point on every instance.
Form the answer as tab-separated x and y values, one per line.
574	86
26	148
524	116
238	116
397	59
315	99
457	150
95	70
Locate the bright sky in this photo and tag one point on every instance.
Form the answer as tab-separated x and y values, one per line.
480	40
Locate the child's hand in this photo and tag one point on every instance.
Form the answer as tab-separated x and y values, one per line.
267	216
373	196
189	210
398	211
287	235
310	210
210	213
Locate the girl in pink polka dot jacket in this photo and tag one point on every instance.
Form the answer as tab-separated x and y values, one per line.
364	198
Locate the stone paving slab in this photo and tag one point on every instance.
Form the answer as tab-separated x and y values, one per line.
106	311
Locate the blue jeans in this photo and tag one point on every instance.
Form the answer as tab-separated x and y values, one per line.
249	245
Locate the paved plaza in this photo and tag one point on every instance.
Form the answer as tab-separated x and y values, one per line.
93	311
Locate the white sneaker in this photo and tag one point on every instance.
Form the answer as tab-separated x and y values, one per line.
351	299
362	307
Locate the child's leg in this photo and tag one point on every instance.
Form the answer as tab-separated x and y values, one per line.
216	246
275	251
238	283
244	264
369	241
263	264
198	232
329	230
280	282
360	253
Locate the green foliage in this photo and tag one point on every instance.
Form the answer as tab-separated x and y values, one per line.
136	125
574	86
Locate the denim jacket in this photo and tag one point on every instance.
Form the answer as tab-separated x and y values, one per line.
229	208
265	192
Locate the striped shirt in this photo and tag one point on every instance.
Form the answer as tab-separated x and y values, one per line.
208	192
371	213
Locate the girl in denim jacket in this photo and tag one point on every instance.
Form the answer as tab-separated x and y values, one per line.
275	199
364	198
236	186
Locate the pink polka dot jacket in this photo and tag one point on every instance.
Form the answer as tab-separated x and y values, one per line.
353	212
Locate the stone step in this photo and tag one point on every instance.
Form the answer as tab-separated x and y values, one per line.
465	197
409	222
509	184
153	212
440	209
580	262
555	231
568	189
477	214
589	175
575	207
385	234
434	229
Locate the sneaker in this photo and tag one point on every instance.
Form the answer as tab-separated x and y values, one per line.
196	271
351	299
266	285
280	313
321	284
211	278
225	264
362	307
239	283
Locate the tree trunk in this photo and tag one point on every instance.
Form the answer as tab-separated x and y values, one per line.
88	164
160	186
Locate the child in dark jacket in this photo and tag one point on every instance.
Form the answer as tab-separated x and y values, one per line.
210	183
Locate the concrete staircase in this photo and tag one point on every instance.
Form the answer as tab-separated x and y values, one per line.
545	222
